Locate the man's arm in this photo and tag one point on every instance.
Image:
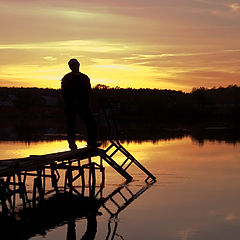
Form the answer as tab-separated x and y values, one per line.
64	86
88	86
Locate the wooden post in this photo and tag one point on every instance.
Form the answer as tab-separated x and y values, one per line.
83	182
54	178
92	180
68	179
3	199
22	190
102	170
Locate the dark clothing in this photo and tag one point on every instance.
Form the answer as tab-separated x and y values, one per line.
87	117
76	90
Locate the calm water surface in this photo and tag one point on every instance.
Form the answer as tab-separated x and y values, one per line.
196	195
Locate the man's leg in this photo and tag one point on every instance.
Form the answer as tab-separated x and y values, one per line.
71	118
89	120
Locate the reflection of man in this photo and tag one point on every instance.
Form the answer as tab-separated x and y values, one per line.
91	228
76	90
71	231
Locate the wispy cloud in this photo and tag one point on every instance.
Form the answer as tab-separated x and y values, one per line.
77	45
231	217
235	7
50	58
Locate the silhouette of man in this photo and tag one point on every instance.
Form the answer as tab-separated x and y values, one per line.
91	227
76	89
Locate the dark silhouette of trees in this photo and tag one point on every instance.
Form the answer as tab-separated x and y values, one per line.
130	104
34	113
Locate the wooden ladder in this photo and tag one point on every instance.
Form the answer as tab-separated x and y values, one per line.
116	147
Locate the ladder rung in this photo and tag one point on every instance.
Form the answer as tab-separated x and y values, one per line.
107	209
114	152
128	165
129	191
138	164
117	167
123	196
109	147
115	202
124	162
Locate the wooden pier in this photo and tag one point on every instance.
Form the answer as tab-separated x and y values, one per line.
34	162
14	172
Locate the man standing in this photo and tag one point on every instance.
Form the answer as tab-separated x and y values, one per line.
76	90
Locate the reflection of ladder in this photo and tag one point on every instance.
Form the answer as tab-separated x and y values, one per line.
116	147
116	202
121	198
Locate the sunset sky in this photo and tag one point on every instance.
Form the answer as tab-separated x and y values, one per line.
173	44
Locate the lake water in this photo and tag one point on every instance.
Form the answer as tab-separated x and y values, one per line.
196	195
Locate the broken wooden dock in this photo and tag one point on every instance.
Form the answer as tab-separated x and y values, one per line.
34	162
13	172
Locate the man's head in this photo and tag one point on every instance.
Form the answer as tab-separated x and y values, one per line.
74	65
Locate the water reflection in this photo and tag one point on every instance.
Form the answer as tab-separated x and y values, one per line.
199	134
48	214
196	197
66	209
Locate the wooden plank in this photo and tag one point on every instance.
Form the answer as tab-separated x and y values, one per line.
33	162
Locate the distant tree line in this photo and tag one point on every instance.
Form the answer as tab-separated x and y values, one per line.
202	104
139	105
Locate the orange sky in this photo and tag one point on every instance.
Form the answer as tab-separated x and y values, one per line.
174	44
